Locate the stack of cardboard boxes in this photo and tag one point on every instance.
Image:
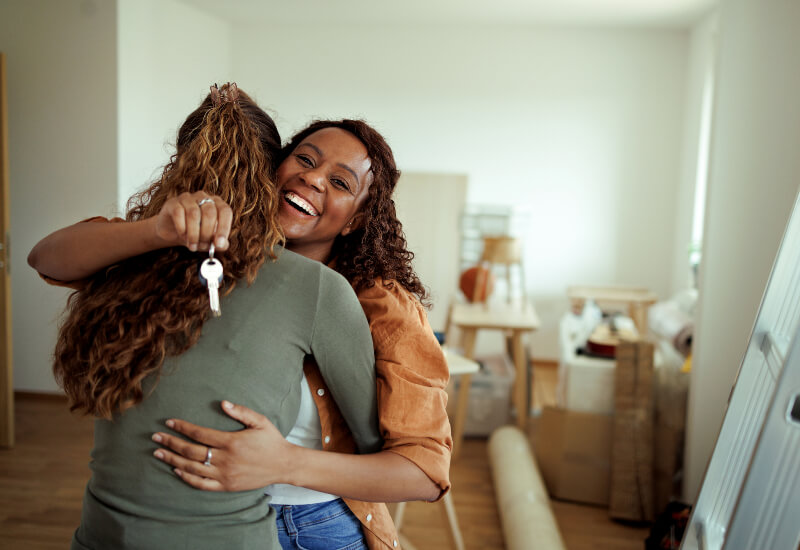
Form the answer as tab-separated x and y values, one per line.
631	492
617	441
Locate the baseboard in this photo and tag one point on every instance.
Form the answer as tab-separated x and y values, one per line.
39	396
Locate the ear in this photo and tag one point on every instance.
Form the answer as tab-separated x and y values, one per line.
354	223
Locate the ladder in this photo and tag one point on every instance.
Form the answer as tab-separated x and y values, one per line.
750	497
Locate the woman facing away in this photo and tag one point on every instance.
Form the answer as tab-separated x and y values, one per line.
337	209
138	343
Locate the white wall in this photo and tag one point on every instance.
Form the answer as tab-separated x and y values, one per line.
583	126
169	55
62	101
755	171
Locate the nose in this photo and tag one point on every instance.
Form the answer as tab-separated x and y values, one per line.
315	179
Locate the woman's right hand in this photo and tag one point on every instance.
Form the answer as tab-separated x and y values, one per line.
195	220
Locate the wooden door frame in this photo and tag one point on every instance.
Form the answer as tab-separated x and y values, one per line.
6	352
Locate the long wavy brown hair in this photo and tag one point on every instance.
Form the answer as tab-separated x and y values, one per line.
132	315
378	247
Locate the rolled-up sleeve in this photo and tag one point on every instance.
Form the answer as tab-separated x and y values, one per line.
412	376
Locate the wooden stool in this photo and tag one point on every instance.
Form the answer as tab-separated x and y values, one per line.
505	251
448	514
465	368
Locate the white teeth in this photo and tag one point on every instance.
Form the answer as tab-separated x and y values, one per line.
302	203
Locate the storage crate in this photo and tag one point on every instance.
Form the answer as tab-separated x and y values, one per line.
489	396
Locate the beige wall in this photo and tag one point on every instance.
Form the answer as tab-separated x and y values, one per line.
62	104
755	172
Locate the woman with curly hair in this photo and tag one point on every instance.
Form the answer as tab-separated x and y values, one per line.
335	182
139	344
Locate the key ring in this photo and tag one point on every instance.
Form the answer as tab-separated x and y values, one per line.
211	251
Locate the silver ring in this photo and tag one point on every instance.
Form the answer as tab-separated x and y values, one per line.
208	458
204	200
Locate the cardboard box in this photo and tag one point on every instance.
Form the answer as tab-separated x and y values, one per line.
573	452
489	396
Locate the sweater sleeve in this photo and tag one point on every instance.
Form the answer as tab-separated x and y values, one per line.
342	346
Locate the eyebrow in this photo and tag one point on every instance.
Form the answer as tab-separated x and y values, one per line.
340	164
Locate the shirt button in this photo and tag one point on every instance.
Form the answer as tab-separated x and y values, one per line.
369	517
327	439
320	392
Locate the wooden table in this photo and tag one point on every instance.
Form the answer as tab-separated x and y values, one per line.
513	318
638	300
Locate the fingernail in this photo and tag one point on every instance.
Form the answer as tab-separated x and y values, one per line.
158	454
222	242
157	438
170	423
177	472
227	405
193	247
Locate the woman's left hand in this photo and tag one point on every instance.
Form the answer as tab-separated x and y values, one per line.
248	459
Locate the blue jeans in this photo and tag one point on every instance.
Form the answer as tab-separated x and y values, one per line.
324	526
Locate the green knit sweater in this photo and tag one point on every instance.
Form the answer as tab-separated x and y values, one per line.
252	355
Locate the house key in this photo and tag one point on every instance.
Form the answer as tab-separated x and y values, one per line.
211	276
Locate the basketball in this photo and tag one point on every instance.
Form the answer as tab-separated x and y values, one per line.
468	282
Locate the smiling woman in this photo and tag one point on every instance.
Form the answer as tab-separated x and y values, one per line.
324	183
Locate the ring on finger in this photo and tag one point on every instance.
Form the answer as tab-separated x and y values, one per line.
204	200
208	457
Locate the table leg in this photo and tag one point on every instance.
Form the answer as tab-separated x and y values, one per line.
460	417
521	382
638	312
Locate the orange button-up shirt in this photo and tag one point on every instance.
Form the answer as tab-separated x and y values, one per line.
411	374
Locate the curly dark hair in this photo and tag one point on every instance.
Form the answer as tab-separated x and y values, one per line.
132	315
378	248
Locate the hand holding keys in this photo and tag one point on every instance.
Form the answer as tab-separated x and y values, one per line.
211	276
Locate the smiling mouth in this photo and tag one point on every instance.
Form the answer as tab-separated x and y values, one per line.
300	204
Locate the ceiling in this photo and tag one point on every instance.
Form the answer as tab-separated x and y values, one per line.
676	14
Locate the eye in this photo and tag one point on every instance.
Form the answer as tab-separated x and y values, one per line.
340	183
305	160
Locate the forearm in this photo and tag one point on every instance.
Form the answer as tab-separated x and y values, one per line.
380	477
78	251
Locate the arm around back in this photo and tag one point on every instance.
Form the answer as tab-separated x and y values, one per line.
412	376
79	251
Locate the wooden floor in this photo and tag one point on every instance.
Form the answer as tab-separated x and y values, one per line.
42	480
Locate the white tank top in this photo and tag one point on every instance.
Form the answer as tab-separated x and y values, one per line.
307	432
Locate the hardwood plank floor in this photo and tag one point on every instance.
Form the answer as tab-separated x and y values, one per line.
43	477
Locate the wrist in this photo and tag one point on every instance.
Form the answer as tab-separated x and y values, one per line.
152	235
293	465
